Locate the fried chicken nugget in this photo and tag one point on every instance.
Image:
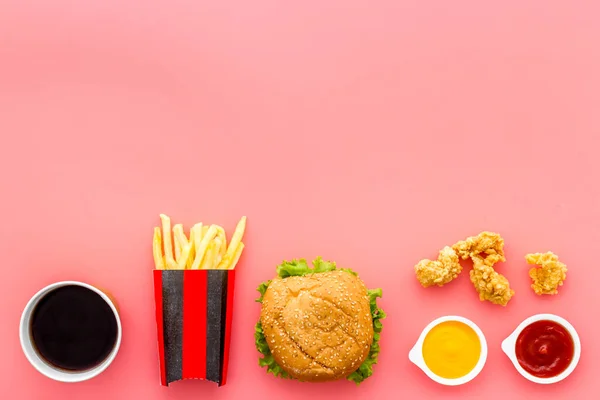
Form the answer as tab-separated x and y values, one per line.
550	276
441	271
486	249
490	285
489	243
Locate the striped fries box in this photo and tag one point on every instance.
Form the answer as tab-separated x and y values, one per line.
193	316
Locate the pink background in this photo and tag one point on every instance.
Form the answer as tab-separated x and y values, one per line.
371	133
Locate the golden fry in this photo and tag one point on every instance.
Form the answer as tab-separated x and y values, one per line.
178	243
198	228
168	245
223	242
202	248
236	238
192	252
206	247
185	254
198	235
218	250
159	261
209	256
237	256
184	245
225	262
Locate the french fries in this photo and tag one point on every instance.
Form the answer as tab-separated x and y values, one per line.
159	260
206	247
168	245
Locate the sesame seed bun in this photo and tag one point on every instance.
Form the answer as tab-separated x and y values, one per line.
318	326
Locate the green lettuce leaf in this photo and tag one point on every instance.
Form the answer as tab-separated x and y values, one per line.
262	289
267	360
299	268
366	368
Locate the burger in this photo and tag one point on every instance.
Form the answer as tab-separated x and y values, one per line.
318	324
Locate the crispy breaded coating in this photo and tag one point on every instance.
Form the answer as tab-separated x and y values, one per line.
551	274
490	285
485	249
441	271
488	245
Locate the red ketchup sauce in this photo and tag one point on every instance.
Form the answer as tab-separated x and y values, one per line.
545	349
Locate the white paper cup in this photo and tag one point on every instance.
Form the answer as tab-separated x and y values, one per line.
508	347
416	353
43	366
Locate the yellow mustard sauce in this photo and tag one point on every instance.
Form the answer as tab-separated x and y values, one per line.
451	349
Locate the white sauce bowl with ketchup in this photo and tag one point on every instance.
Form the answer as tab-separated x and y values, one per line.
544	348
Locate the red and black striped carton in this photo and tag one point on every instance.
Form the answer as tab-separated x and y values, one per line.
194	309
